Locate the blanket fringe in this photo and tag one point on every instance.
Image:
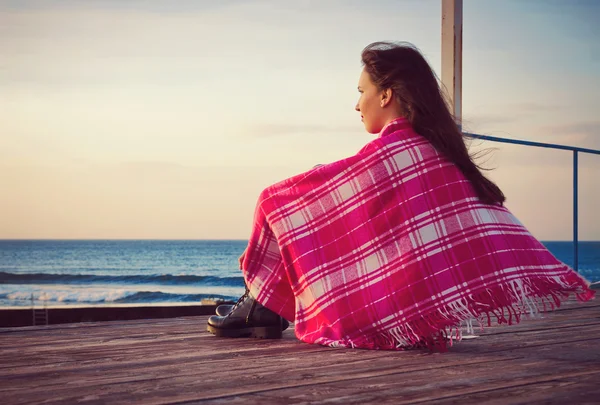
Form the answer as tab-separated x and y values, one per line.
507	302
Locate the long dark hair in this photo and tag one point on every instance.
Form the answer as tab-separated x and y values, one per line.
402	68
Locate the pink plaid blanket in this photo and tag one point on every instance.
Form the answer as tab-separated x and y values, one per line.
391	248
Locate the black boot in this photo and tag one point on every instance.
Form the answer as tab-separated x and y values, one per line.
248	318
224	309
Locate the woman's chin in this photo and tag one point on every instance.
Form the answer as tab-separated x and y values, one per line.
372	130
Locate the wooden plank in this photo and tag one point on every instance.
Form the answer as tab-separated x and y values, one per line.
244	380
470	386
579	389
143	350
176	360
149	376
420	376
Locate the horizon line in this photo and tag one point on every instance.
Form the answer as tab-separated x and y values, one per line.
200	239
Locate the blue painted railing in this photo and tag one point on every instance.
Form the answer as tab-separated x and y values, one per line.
575	151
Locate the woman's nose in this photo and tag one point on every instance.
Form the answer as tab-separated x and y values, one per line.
356	107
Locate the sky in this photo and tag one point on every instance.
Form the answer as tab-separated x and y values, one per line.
165	120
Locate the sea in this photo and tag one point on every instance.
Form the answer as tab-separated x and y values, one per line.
55	273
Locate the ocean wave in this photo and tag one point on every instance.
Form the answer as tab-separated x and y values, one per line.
164	279
105	297
157	296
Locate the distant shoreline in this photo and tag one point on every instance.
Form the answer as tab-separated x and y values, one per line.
201	240
18	317
124	240
40	304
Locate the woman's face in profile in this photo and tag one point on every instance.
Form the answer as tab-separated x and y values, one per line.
369	104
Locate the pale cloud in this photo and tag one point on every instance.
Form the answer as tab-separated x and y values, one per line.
166	119
287	129
477	121
534	107
158	6
510	113
582	134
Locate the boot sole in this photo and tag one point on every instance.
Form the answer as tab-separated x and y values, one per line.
259	332
284	325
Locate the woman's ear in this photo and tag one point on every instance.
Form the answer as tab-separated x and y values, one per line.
386	97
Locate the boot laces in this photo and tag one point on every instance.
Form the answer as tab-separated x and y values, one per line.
240	301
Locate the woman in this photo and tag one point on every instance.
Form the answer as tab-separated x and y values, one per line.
399	245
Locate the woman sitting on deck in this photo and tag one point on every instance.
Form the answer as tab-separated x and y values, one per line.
399	245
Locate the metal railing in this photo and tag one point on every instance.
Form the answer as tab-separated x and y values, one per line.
575	151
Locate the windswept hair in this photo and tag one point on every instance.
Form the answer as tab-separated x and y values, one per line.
402	68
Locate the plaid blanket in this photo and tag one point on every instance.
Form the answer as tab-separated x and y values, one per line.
391	248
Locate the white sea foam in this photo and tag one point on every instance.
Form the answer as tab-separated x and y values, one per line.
67	295
52	295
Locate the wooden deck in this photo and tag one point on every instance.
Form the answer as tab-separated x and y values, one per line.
553	359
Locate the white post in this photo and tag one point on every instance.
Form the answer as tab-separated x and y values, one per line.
452	21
